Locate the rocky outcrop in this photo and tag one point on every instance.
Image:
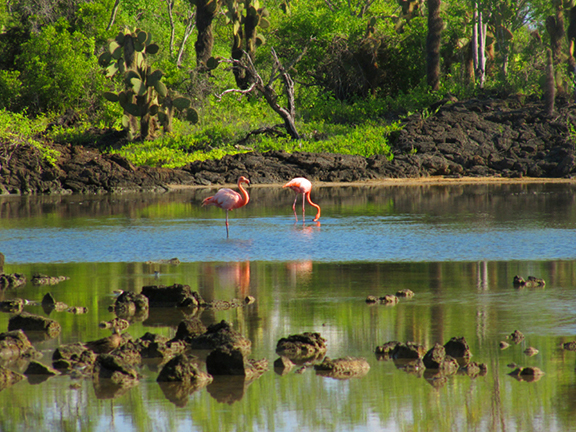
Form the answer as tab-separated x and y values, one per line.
478	137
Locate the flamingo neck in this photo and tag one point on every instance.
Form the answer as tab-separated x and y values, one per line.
313	205
245	196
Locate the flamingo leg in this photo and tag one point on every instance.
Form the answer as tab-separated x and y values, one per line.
294	208
227	234
303	207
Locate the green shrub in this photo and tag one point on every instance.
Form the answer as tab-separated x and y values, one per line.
58	70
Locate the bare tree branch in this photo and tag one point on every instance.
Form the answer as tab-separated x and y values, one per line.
113	16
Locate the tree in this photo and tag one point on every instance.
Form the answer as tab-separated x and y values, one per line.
433	42
206	11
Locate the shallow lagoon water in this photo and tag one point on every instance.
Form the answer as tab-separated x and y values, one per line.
457	247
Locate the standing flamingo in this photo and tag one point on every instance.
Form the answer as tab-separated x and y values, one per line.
228	199
300	185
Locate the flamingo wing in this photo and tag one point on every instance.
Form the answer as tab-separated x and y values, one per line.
299	185
225	198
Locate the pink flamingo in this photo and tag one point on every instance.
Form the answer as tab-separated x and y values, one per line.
228	199
300	185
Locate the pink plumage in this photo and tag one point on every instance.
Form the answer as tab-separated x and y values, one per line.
229	199
300	185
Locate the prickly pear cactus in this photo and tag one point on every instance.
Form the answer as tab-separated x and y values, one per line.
145	96
245	16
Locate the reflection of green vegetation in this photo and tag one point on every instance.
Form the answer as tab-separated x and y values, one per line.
474	300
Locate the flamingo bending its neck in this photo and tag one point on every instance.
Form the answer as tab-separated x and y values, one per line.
228	199
300	185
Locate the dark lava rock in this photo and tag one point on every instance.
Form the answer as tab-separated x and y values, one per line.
408	351
41	279
384	352
15	305
529	374
14	280
343	368
31	323
183	369
190	328
115	369
569	346
218	335
155	346
283	365
15	344
474	369
459	349
38	372
9	377
302	346
483	136
227	360
516	336
130	303
405	293
75	356
49	304
386	300
176	295
532	282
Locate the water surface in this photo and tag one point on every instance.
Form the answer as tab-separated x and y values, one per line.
457	247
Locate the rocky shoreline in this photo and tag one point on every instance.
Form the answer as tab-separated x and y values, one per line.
480	138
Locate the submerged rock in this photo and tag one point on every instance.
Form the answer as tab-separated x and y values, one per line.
408	351
405	293
437	359
385	300
9	377
160	347
14	280
569	346
49	304
31	323
532	282
41	279
384	352
516	336
283	365
458	348
343	368
228	360
190	328
183	369
218	335
302	346
176	295
528	374
75	356
15	344
129	303
15	305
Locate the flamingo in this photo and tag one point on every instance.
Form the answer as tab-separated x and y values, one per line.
228	199
300	185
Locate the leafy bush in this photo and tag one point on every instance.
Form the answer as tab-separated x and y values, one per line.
58	69
18	130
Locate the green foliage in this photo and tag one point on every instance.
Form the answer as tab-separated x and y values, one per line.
58	70
9	88
18	130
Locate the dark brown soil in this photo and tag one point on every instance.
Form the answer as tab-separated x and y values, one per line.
496	138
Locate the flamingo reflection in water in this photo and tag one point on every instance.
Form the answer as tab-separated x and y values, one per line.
229	199
300	185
